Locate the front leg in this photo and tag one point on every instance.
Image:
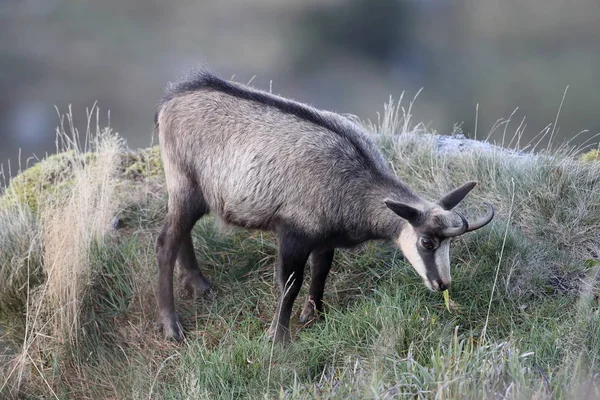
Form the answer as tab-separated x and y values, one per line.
293	253
320	264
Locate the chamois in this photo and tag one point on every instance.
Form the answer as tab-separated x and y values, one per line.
315	178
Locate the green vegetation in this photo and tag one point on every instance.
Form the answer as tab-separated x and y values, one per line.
525	321
43	180
592	155
144	164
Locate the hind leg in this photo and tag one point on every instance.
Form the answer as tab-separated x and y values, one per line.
183	212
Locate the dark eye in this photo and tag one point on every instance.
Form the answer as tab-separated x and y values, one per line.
427	243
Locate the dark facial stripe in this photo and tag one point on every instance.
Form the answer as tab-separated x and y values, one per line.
428	258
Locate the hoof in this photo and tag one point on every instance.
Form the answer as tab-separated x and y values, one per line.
198	288
308	313
209	294
172	329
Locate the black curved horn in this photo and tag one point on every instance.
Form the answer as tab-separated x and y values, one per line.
482	221
451	232
467	227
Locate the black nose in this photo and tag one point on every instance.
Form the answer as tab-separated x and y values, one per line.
439	285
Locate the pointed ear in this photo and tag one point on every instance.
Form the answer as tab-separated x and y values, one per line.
451	200
411	214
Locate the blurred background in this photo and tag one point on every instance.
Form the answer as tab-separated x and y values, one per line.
347	56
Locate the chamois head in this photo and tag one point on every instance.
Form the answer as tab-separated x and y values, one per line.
425	238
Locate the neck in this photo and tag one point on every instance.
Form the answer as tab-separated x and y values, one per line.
384	224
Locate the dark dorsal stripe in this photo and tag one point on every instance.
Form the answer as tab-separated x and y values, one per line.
203	79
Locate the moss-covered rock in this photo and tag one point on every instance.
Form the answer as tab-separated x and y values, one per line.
50	177
143	164
592	155
43	180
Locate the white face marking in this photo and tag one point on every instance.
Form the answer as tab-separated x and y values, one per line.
408	242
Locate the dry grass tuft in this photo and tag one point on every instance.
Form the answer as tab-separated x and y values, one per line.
70	224
70	227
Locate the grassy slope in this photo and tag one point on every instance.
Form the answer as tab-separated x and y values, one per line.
89	331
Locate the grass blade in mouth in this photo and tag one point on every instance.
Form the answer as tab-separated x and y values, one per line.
446	299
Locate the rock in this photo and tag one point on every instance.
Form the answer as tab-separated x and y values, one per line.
116	223
453	144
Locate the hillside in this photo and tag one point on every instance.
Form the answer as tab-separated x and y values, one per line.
78	272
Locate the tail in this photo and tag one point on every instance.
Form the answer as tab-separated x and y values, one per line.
156	127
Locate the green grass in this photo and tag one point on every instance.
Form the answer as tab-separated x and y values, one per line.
384	335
